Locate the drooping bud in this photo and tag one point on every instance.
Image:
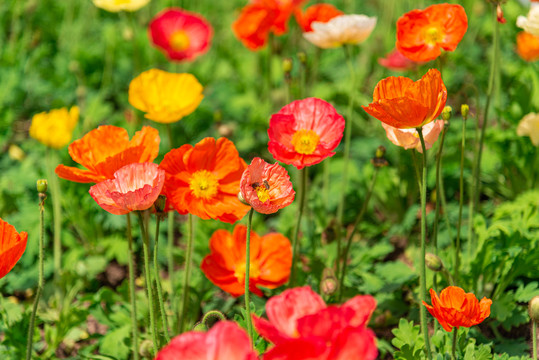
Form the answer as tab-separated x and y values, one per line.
160	204
302	57
41	185
242	199
329	283
211	317
379	160
200	326
433	262
447	112
146	349
533	308
464	110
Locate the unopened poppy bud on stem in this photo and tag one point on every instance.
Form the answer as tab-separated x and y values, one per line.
447	112
287	65
160	203
464	110
433	262
534	308
379	160
329	283
42	186
302	57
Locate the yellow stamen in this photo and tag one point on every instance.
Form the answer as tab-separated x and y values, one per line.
179	40
305	141
254	271
433	36
204	184
263	193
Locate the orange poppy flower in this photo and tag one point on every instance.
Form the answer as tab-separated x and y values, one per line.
106	149
267	188
134	187
455	308
528	46
271	259
12	246
421	34
409	139
317	12
403	103
260	17
204	180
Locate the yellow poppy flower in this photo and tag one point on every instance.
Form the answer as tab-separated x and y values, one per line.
165	97
54	128
120	5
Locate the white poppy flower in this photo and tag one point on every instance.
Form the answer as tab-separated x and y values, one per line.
344	29
531	22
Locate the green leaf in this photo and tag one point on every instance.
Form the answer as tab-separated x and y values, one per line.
114	342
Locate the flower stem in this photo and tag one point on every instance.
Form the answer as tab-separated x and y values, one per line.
247	270
212	314
295	242
158	280
439	191
356	224
41	279
133	299
534	338
170	255
186	271
477	167
56	195
423	271
148	280
454	344
461	200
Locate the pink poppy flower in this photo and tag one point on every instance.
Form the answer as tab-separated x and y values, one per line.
134	187
409	139
224	341
305	132
397	62
299	319
180	35
267	188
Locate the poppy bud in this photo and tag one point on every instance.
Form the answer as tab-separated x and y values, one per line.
446	113
287	65
464	110
41	186
302	57
433	262
329	283
160	204
379	160
534	308
330	232
146	348
200	326
242	199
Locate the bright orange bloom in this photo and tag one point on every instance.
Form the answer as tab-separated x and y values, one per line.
455	308
421	34
260	17
12	246
317	12
106	149
403	103
528	46
271	259
204	180
267	188
134	187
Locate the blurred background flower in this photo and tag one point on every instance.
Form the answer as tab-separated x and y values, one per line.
340	30
120	5
54	128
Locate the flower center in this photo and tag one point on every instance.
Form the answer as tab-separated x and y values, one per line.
179	40
203	184
262	191
121	2
305	141
254	271
433	36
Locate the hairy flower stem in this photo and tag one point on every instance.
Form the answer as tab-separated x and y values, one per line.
133	299
148	280
186	272
454	344
347	139
158	280
248	319
534	339
461	200
423	271
212	314
295	242
170	255
41	279
439	191
351	236
56	195
477	167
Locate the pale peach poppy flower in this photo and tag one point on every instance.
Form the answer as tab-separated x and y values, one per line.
530	23
409	138
134	187
341	30
529	126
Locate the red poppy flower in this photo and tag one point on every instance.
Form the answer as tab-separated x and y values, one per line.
12	246
403	103
260	17
180	35
396	61
105	150
204	180
455	308
305	132
421	34
271	259
224	341
134	187
317	12
528	46
267	188
302	327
